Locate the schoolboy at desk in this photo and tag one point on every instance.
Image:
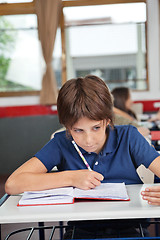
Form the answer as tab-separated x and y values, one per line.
85	108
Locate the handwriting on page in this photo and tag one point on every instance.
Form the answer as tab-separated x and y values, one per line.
109	190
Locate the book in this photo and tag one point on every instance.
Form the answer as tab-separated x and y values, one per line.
66	195
155	135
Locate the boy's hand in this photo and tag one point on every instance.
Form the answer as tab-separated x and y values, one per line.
86	179
152	195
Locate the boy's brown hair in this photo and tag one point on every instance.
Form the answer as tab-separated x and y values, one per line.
84	97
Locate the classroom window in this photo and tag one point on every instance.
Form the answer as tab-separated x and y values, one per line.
119	55
21	60
109	75
109	41
20	65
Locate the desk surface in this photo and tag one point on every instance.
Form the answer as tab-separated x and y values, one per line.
91	210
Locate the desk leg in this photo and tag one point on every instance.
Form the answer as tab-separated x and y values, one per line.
157	227
0	232
41	231
61	230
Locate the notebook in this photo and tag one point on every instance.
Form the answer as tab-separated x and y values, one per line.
66	195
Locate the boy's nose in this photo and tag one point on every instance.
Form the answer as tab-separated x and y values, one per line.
88	139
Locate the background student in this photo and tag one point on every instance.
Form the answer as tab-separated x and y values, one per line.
123	110
123	104
156	117
85	108
122	100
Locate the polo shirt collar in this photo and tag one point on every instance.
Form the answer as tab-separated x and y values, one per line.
111	143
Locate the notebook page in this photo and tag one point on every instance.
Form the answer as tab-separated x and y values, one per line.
46	200
50	192
105	190
51	196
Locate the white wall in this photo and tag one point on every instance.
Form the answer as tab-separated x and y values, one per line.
19	101
153	54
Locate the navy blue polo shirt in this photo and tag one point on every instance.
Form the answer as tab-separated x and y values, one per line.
124	146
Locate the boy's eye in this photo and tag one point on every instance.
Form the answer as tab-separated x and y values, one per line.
78	130
96	128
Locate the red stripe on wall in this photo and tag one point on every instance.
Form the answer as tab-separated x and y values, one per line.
35	110
20	111
149	105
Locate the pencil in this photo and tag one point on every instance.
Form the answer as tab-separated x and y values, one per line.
81	155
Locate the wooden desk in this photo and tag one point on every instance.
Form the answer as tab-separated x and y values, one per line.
92	210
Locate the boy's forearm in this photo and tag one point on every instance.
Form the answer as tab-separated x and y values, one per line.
29	181
37	181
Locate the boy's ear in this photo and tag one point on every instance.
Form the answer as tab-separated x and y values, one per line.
108	122
68	132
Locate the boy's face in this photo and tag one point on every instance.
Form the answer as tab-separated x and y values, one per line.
89	134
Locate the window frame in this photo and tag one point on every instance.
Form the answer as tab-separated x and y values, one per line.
16	9
76	3
29	8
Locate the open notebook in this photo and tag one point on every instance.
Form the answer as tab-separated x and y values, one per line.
106	191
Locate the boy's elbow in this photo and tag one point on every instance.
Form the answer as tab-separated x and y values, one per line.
9	187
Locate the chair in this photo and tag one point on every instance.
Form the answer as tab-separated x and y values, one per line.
145	174
41	228
138	109
59	130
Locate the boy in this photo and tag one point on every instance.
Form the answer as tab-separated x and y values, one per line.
85	108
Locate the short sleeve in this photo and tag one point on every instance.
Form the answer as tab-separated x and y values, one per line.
50	154
141	150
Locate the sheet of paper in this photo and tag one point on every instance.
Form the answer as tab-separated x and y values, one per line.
105	190
49	192
51	196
